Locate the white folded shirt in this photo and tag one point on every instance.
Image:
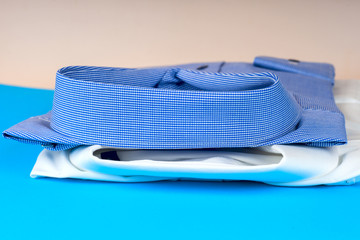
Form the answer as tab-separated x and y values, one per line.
285	165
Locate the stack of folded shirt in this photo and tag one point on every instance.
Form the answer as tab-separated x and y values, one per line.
273	121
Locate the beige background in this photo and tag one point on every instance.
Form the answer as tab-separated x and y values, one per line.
38	37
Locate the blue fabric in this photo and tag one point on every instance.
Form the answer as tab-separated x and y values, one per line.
201	105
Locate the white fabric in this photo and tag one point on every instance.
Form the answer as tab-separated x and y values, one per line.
283	165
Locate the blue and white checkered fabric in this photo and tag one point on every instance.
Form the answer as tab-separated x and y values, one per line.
205	105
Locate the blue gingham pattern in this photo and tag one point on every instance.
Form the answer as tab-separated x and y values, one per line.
206	105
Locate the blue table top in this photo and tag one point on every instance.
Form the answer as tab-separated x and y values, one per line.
67	209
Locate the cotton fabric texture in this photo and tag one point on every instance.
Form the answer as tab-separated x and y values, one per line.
282	165
192	106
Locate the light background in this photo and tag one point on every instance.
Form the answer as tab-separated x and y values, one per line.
38	37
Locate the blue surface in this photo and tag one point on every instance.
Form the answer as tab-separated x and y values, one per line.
59	209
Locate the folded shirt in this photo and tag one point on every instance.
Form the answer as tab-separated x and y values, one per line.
282	165
192	106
